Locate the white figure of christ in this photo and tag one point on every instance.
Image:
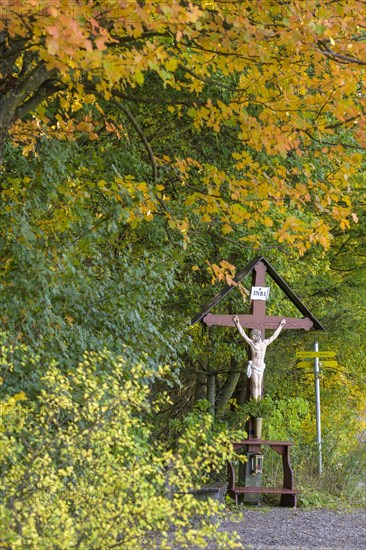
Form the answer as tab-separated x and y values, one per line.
258	347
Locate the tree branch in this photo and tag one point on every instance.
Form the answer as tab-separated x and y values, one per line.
147	146
206	80
12	100
142	136
345	145
155	100
340	123
46	90
253	59
324	49
143	36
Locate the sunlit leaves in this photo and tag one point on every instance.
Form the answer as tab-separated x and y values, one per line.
283	78
81	467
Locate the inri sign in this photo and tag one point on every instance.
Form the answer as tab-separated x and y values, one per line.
259	293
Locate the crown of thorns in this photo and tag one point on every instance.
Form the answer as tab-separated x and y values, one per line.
255	332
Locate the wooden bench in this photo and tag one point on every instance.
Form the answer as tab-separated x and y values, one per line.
215	490
288	492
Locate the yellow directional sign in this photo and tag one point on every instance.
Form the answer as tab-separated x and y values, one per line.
328	364
321	364
305	364
312	354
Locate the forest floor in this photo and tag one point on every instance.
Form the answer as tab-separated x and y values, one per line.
296	529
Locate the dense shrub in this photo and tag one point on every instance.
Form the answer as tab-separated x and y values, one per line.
80	468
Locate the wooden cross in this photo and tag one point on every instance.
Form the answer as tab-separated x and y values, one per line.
257	317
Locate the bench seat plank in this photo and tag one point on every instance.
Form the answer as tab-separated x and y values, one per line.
276	490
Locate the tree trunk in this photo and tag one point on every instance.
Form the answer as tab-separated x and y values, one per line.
242	392
200	389
211	390
19	96
228	388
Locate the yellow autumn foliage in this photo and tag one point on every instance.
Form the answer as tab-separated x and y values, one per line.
80	468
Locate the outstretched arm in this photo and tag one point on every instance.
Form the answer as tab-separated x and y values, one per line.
241	330
276	332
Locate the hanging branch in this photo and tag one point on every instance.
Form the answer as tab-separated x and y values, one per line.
341	58
142	136
147	146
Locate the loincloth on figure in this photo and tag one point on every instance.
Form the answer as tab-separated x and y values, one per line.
254	369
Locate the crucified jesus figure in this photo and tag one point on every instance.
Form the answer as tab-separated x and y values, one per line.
258	347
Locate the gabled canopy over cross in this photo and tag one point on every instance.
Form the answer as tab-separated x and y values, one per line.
257	317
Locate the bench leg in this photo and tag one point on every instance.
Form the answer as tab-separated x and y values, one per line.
289	501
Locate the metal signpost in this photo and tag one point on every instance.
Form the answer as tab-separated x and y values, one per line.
316	355
317	407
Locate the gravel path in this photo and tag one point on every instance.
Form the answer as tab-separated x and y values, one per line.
285	528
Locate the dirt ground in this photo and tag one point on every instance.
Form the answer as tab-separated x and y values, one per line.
290	529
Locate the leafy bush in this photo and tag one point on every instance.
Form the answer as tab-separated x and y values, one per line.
81	470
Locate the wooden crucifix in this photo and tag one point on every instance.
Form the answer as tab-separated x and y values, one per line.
257	318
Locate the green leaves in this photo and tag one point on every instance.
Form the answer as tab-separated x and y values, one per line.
199	84
81	467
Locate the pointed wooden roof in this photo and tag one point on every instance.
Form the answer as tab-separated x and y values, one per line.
276	278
